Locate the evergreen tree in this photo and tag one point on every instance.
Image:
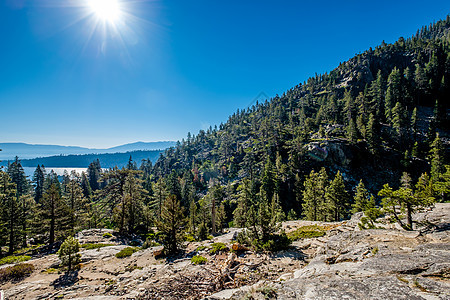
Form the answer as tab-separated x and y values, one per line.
437	155
336	198
38	180
17	176
68	252
76	202
10	212
171	224
376	91
132	204
393	93
404	200
94	172
54	213
372	135
352	134
314	195
85	185
414	125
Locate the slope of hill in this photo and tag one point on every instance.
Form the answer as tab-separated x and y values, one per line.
373	117
27	151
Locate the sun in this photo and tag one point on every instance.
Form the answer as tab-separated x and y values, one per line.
106	10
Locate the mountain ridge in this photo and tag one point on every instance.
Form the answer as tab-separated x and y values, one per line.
30	151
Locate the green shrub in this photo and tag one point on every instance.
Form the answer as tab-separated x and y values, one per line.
14	259
135	243
150	243
16	272
198	260
24	250
126	252
132	268
200	248
107	235
89	246
276	242
50	271
189	238
68	252
306	232
218	247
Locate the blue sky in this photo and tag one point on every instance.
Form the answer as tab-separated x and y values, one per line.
171	67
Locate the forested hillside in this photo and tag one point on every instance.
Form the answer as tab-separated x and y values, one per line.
371	135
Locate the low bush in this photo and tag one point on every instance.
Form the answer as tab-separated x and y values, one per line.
131	268
198	260
50	271
14	259
135	243
218	247
200	248
189	238
128	251
107	235
150	243
89	246
276	242
15	273
305	232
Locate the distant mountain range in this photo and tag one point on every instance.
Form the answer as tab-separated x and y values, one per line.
107	160
28	151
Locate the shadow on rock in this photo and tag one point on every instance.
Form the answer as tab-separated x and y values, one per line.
65	280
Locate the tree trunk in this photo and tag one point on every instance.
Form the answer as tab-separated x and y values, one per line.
213	216
11	236
409	217
52	221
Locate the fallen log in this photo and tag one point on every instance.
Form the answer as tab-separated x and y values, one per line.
239	247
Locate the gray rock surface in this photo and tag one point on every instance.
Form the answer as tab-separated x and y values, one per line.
369	264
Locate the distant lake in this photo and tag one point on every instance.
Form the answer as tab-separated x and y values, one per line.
29	171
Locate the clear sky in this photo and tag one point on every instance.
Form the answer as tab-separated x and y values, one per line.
70	74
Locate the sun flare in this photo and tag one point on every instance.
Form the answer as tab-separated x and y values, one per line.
106	10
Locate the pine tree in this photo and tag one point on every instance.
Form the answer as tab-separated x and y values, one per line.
361	198
372	135
393	93
38	179
406	200
437	155
376	91
17	176
68	252
336	198
314	195
54	213
171	224
94	172
352	134
414	125
10	212
221	217
192	217
399	122
76	202
85	186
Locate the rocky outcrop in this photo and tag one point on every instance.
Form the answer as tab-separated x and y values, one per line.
369	264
